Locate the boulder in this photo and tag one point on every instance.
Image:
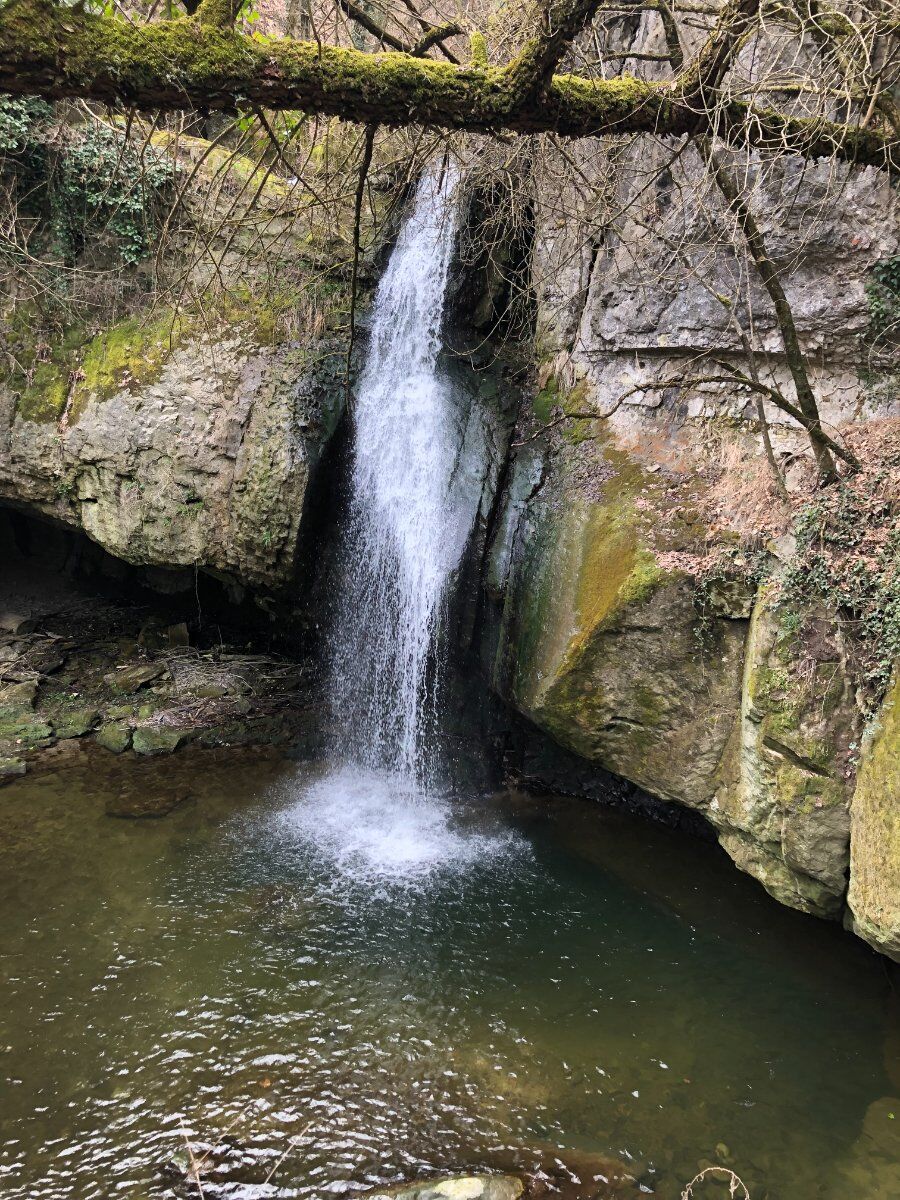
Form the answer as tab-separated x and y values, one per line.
157	739
114	736
601	645
175	448
130	679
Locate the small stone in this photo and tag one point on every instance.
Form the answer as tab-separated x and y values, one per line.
11	768
159	739
131	679
114	736
16	622
209	691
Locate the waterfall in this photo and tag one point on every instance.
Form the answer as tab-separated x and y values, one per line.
382	811
409	519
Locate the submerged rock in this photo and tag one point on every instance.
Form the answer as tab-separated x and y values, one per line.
459	1187
146	802
872	1166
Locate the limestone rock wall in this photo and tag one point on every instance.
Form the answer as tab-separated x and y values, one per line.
195	452
874	896
713	701
706	696
629	309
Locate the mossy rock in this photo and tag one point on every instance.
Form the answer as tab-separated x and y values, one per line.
24	728
76	722
78	369
114	736
125	357
157	739
11	768
785	780
44	385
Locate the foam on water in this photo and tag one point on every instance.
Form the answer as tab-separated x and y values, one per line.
378	830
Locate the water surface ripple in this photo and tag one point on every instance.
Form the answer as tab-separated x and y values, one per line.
567	987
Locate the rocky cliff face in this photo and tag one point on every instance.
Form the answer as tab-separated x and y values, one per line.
705	694
642	563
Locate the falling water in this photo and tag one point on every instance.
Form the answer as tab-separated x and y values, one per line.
381	808
408	523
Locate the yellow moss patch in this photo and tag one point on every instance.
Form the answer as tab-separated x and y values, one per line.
129	355
220	163
874	895
43	388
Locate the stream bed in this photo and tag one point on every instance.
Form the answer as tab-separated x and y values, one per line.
514	983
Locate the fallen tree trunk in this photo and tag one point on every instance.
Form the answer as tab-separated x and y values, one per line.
57	52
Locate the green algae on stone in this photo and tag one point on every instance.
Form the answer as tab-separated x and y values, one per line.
44	384
76	722
11	768
126	356
604	655
77	370
157	739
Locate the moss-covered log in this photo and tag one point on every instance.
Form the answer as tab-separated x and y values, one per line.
56	52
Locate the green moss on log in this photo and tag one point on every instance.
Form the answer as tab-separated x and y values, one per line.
54	51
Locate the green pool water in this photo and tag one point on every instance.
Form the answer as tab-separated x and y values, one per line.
527	983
